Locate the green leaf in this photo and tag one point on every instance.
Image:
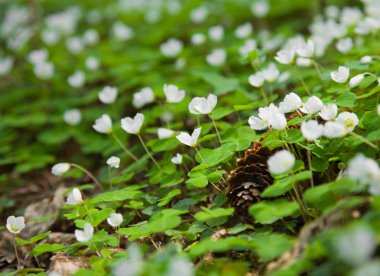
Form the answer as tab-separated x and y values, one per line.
213	157
34	239
207	214
198	181
347	99
118	195
272	246
221	84
220	112
267	212
166	199
45	248
283	185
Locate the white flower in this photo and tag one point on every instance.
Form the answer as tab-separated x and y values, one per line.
260	8
164	133
133	266
86	234
285	56
256	80
217	57
143	97
180	63
74	197
75	45
306	50
50	37
133	126
199	14
115	219
243	31
103	124
311	130
355	81
91	37
304	62
268	116
290	103
180	266
6	65
198	39
378	109
171	48
341	75
72	116
366	59
77	79
108	95
365	170
177	159
216	33
173	94
312	105
271	73
248	47
121	31
200	105
348	119
188	140
344	45
328	112
15	224
44	70
113	162
92	63
281	162
333	130
356	246
38	56
60	168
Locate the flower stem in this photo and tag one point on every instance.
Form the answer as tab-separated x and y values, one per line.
310	168
200	155
16	251
109	177
216	130
148	152
302	81
93	178
129	153
263	94
364	140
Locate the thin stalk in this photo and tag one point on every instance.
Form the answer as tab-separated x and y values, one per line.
93	178
302	81
216	130
16	251
148	152
109	177
200	155
315	64
290	228
262	91
310	168
130	154
364	140
299	199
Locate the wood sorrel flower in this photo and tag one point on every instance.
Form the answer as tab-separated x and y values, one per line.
77	79
341	75
311	130
133	125
15	224
290	103
173	94
103	124
74	197
188	140
281	162
177	159
348	119
60	168
355	81
328	112
115	219
143	97
200	105
113	162
86	234
217	57
285	56
164	133
72	116
108	95
312	105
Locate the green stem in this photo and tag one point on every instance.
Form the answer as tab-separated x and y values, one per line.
302	81
216	130
148	152
130	154
16	251
310	168
200	155
93	178
364	140
262	91
109	177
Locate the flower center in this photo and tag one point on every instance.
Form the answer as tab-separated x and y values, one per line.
15	228
349	123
